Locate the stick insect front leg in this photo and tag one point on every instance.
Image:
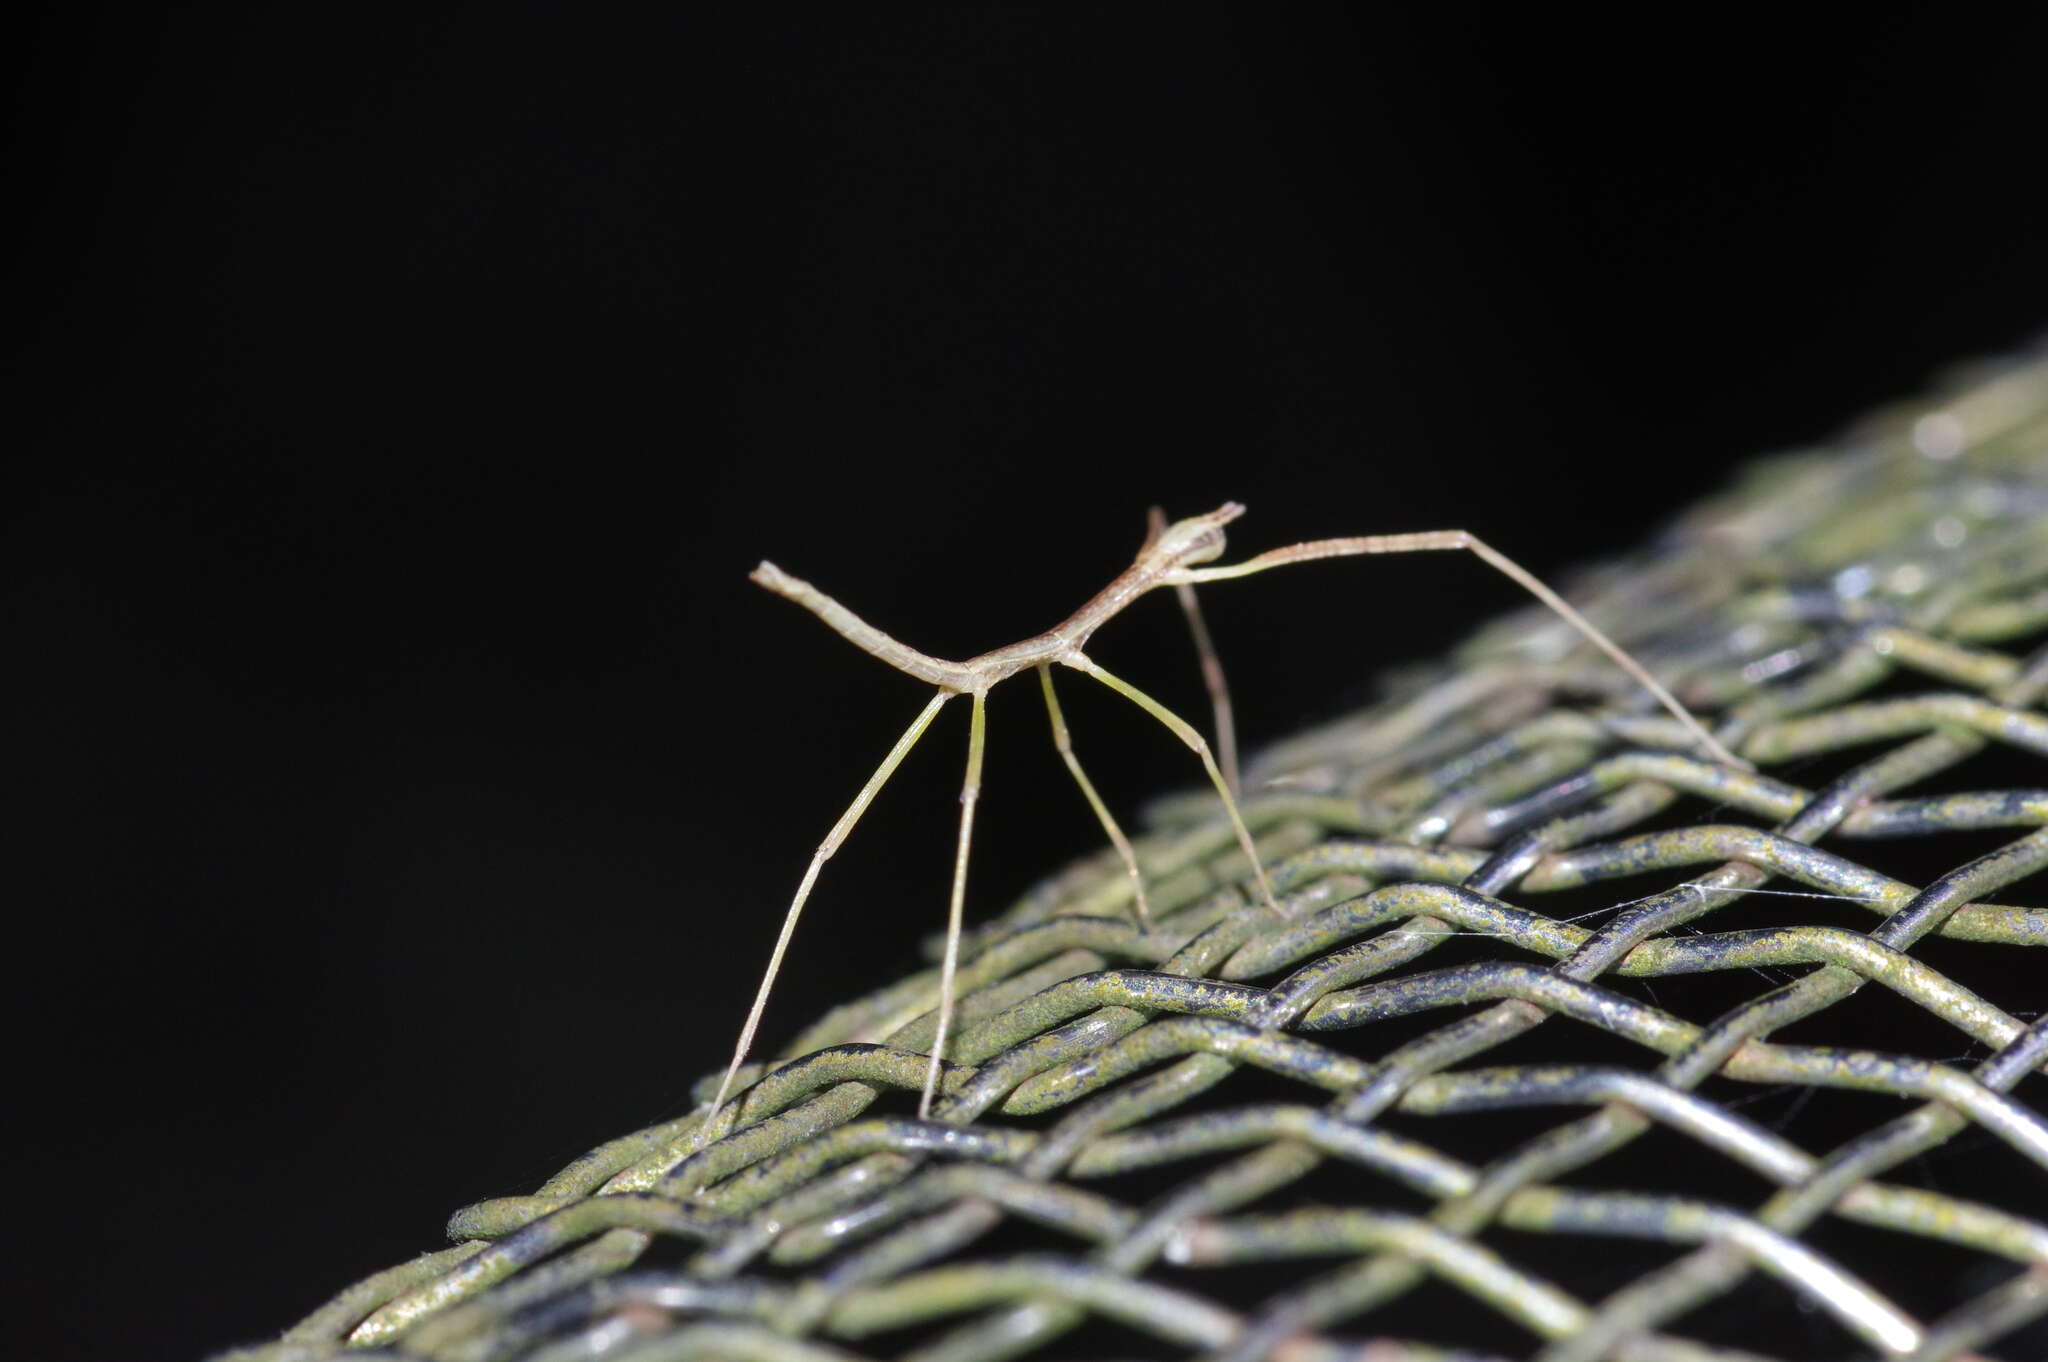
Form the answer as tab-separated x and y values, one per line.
1192	736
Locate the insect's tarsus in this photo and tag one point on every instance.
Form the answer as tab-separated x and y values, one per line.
1172	555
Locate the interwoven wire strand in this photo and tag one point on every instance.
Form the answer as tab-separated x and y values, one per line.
1131	1117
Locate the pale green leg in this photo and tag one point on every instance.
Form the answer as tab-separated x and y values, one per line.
970	794
1426	540
803	891
1212	664
1064	741
1188	734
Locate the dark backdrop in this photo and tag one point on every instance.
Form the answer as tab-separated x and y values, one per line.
412	777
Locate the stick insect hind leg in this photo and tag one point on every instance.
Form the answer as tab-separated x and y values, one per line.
1063	740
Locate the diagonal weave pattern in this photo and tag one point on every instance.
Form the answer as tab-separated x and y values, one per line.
1393	1120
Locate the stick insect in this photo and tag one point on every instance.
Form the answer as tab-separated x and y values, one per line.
1171	556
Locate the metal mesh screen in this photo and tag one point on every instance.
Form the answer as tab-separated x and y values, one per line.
1565	1044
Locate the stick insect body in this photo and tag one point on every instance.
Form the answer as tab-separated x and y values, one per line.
1171	556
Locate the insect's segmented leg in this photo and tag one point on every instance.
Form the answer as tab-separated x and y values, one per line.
1190	735
1500	562
818	858
970	793
1064	742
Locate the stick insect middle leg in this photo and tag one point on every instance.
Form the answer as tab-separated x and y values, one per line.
1062	740
970	794
1170	557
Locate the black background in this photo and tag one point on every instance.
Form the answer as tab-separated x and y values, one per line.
413	780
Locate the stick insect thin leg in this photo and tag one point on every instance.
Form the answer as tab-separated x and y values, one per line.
1192	736
818	858
1064	742
970	794
1500	562
1212	669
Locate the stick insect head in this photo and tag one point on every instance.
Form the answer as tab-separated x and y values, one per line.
1198	539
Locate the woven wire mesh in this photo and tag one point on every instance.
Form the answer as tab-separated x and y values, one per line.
1494	1080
